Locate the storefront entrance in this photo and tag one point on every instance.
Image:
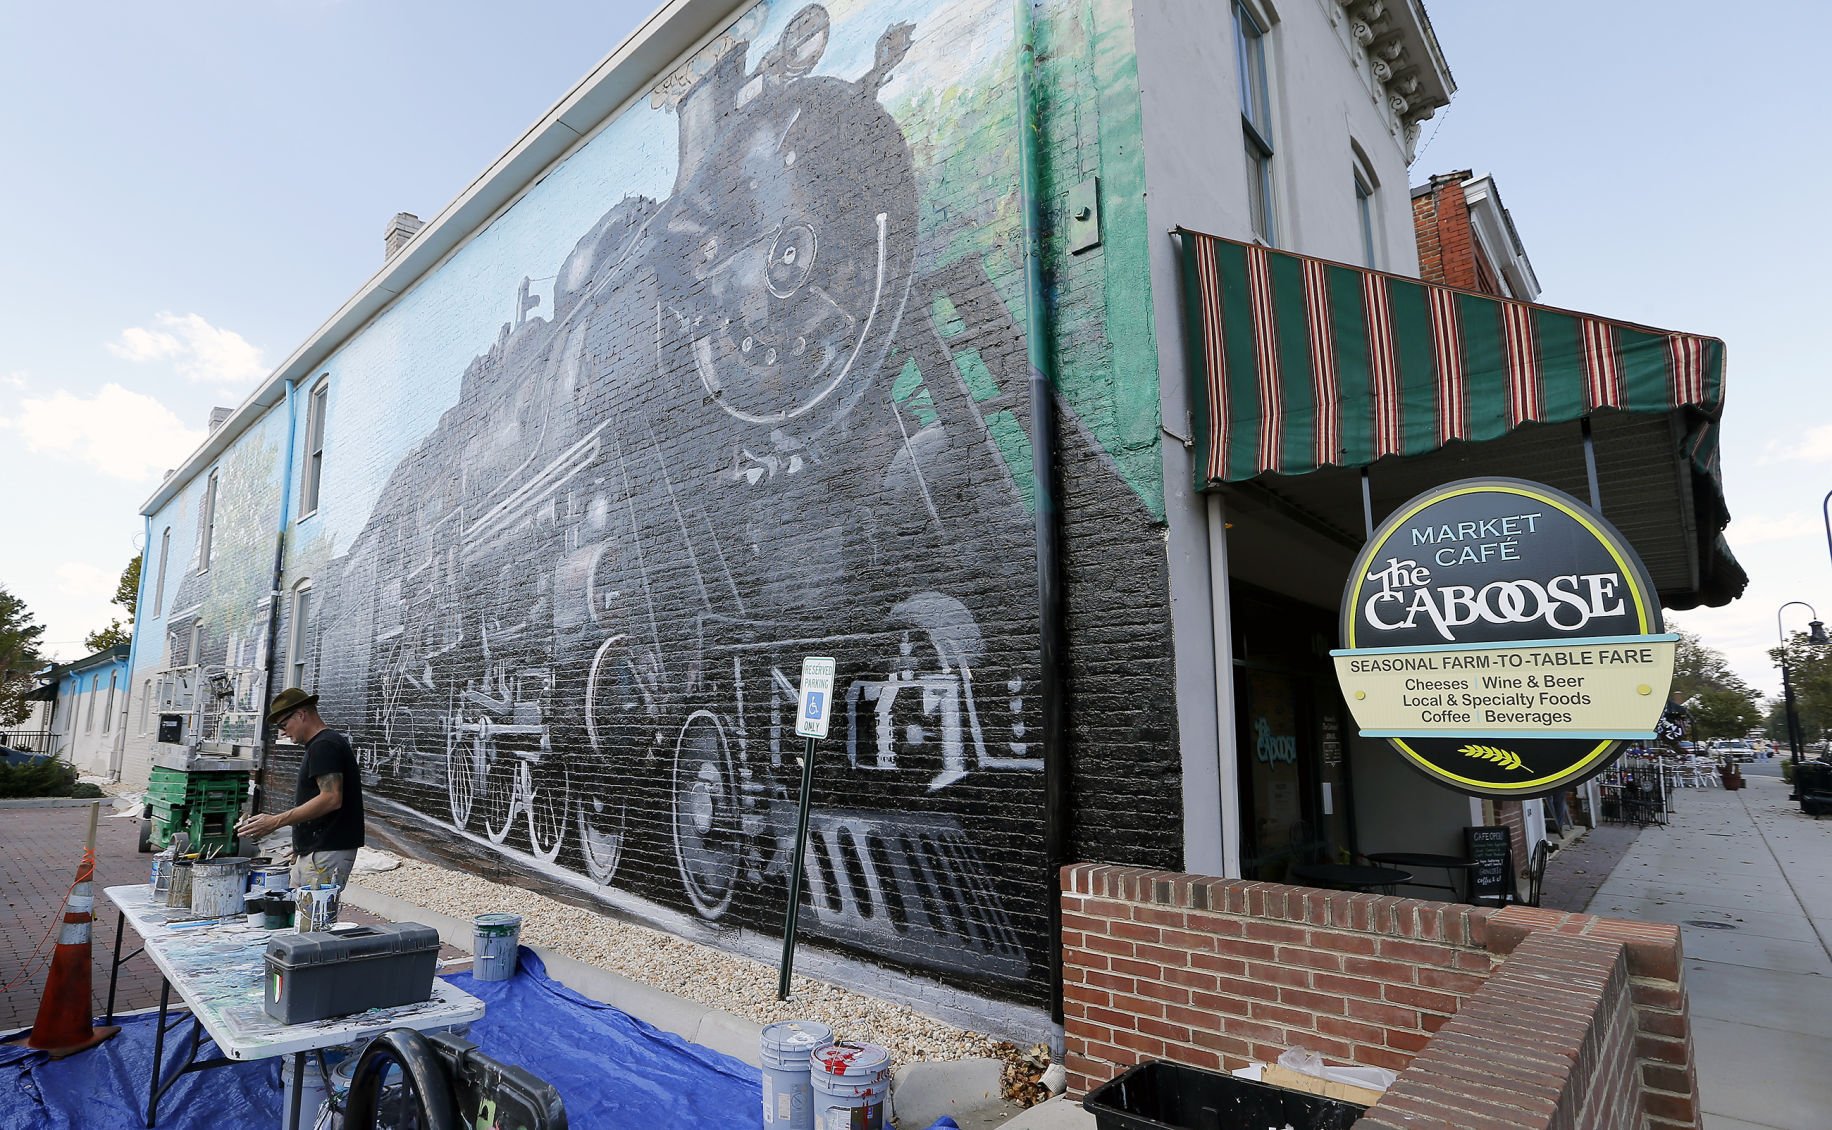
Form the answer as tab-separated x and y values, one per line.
1294	786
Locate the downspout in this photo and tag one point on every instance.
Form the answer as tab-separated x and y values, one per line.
273	593
116	759
1056	763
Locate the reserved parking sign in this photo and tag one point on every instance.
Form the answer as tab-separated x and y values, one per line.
816	705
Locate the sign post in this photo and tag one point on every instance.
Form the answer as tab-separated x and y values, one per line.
814	707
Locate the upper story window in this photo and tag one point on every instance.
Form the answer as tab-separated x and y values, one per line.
1364	217
165	553
206	529
95	685
1255	121
299	642
108	708
314	447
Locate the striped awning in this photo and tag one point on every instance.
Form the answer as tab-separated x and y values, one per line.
1300	364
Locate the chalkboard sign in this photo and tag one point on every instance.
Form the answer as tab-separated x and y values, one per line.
171	728
1491	850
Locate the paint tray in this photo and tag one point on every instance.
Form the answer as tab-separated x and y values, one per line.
323	973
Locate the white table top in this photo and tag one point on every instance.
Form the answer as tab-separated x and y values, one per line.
218	968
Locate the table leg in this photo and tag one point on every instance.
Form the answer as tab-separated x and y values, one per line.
152	1095
114	970
292	1114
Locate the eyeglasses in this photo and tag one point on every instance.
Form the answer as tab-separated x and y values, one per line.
285	718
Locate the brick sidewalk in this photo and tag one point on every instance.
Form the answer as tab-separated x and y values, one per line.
42	847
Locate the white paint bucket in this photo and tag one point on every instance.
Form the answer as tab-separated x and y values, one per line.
851	1083
217	886
495	939
788	1096
271	878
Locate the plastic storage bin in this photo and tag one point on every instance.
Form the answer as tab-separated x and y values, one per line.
314	975
1156	1096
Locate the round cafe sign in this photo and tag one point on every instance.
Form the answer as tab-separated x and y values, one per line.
1503	637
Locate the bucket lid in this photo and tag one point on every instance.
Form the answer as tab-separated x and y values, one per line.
233	862
796	1035
488	920
851	1061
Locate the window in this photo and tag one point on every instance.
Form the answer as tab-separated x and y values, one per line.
108	707
1364	214
165	552
192	645
300	637
146	706
1255	121
206	529
89	720
1367	205
314	447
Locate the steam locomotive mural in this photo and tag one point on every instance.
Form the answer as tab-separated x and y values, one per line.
573	621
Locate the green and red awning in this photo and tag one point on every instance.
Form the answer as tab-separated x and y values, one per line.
1300	364
1304	363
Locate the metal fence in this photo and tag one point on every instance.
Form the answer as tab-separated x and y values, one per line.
30	741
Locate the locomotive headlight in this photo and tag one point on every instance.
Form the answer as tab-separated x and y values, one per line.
791	258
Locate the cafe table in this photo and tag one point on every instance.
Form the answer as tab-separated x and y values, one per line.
1451	865
1350	876
218	969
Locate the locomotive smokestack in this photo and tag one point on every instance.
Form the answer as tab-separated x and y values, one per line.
401	229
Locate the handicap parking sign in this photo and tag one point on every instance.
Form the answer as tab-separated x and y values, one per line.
816	693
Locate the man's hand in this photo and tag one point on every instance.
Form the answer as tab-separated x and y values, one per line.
257	825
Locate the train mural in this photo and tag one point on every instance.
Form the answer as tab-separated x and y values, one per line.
737	435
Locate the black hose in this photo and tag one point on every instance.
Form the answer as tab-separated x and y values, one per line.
425	1080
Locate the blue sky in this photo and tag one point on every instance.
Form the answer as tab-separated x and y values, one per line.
191	189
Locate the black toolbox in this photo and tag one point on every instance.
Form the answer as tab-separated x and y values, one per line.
1171	1096
332	973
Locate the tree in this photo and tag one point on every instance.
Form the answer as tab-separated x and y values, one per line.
127	594
1810	672
20	658
1723	713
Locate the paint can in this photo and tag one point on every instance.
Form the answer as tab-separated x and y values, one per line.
217	885
178	891
278	910
312	1093
270	877
317	907
495	941
851	1083
162	877
255	907
788	1096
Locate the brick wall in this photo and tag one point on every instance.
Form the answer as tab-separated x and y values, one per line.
1218	972
1448	253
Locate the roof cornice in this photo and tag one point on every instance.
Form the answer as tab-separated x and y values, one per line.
673	30
1405	66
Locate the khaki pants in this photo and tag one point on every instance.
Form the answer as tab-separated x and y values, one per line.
316	869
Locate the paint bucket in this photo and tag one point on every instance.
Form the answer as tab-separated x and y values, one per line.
255	907
788	1097
312	1094
278	913
162	877
217	886
178	891
851	1083
495	939
317	907
269	877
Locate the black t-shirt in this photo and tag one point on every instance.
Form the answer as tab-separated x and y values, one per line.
329	752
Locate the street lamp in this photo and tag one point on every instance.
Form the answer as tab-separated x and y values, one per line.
1816	634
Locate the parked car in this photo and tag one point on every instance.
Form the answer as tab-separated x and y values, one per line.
1735	750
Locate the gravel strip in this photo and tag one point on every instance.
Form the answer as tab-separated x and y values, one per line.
686	969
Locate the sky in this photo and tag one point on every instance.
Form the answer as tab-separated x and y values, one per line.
188	190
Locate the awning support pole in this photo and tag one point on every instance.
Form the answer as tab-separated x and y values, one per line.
1590	466
1367	505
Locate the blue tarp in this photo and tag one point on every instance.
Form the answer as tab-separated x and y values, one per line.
613	1071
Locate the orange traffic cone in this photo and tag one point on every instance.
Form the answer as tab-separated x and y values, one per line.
64	1023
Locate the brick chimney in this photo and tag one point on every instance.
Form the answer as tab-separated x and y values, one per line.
218	415
401	229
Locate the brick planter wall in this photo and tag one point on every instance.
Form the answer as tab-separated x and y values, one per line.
1216	973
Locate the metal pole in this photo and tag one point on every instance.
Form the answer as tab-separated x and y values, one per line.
1590	467
1793	725
795	874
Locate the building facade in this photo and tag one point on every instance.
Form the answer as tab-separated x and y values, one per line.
743	355
81	712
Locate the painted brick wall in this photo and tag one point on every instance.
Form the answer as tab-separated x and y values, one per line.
1215	973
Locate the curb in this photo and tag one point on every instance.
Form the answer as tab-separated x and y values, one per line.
710	1027
55	802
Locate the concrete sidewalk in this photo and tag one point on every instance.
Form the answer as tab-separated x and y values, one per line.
1748	879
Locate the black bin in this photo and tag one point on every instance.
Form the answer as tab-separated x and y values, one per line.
1170	1096
1813	781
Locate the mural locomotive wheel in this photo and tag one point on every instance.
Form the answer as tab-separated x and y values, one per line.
604	815
548	798
499	786
708	832
463	775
